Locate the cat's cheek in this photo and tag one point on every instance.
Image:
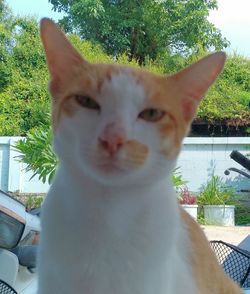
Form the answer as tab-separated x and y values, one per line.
169	141
170	146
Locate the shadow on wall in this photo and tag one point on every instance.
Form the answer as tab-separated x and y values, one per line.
238	183
241	183
234	180
211	170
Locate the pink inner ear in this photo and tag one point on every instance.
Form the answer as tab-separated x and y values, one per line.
188	108
54	86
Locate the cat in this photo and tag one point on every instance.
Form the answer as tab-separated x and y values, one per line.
111	223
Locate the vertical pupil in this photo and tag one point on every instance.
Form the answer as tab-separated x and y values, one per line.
152	112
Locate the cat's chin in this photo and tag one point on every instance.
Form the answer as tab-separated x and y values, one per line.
109	179
112	175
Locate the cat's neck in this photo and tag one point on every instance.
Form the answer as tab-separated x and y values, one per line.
79	190
126	224
155	206
82	182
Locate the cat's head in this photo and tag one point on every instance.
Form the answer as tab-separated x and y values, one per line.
119	124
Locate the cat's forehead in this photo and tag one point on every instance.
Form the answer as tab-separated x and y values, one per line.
127	83
123	85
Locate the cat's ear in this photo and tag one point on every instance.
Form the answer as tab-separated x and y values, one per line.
61	56
194	81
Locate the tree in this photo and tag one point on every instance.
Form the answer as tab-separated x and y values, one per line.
24	99
142	28
6	19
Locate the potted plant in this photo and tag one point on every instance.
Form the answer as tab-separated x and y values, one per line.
218	203
188	202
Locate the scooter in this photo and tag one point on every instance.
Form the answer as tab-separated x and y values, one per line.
19	235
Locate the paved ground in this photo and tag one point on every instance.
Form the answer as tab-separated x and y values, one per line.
234	235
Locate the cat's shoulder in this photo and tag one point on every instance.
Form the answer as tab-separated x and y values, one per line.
208	273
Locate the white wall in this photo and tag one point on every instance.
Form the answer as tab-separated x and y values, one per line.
12	173
198	159
201	157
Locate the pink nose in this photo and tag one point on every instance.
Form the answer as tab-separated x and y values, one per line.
112	144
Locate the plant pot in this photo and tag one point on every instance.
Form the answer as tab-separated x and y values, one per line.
191	209
222	215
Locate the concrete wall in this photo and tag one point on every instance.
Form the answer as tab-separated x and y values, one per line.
202	157
199	158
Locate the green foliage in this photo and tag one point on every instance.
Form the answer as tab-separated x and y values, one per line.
201	216
242	215
6	19
215	193
24	98
33	202
36	151
230	96
223	101
237	71
91	52
177	179
142	28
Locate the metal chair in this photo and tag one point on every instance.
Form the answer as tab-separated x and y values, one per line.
234	260
6	289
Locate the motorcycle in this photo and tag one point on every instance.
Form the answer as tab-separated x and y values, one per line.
19	235
237	265
243	161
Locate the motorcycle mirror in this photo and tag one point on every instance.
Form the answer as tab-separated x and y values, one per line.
11	228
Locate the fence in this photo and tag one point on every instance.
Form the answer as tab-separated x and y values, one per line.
199	158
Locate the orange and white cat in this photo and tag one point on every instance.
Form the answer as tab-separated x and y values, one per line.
110	222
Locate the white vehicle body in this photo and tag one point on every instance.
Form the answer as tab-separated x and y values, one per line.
18	230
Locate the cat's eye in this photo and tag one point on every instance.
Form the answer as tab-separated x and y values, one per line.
87	102
152	114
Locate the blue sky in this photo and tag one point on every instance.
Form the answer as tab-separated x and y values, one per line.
38	8
232	18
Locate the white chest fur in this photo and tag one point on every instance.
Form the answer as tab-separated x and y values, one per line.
101	241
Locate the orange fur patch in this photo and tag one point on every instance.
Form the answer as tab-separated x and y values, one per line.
163	93
210	277
136	152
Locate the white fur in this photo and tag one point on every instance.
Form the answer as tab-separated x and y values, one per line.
114	233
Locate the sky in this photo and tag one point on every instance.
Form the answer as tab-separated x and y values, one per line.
232	18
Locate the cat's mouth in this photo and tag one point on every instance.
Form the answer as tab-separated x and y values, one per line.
110	166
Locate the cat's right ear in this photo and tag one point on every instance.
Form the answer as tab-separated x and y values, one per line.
62	58
194	81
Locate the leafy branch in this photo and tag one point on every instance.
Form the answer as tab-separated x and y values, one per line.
36	151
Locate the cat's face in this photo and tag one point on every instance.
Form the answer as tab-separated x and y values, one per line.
119	124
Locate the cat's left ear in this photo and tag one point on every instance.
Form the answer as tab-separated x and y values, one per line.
194	81
62	58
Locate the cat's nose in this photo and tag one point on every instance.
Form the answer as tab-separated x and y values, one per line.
111	145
